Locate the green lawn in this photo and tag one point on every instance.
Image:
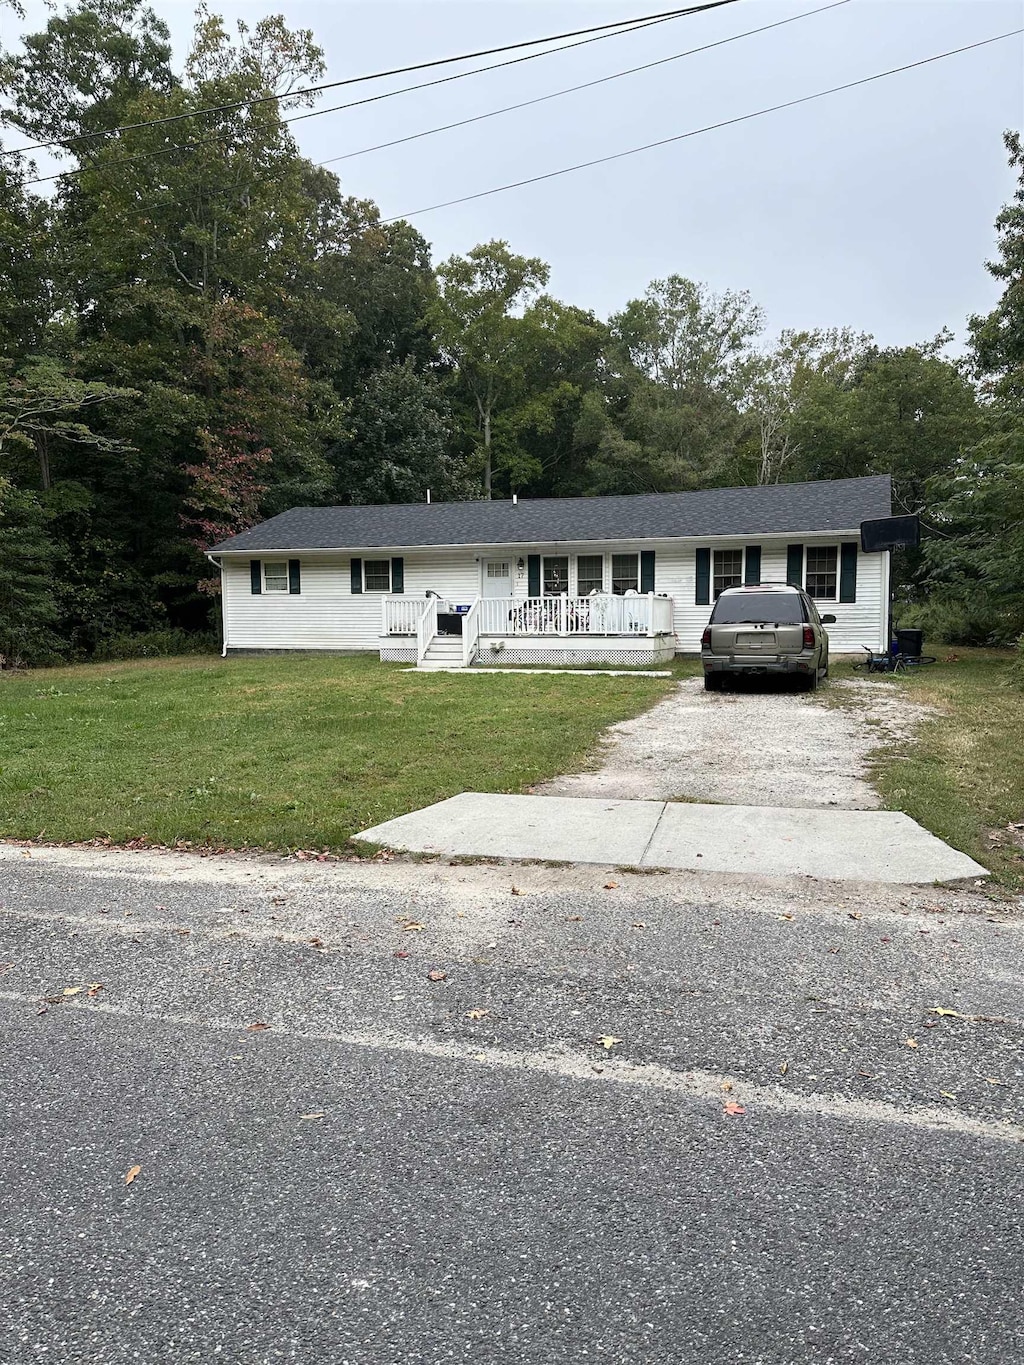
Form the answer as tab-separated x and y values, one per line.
962	776
279	752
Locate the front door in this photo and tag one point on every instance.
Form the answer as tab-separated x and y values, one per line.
498	578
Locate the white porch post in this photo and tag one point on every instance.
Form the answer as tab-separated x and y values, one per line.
383	616
650	614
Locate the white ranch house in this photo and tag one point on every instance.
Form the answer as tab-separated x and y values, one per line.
627	580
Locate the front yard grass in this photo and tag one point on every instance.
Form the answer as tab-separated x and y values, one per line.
280	752
962	775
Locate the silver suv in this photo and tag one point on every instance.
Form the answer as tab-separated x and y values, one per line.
765	628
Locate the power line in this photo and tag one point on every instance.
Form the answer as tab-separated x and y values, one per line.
708	128
586	85
373	99
355	80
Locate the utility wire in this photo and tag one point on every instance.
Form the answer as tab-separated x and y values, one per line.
587	85
708	128
388	94
372	76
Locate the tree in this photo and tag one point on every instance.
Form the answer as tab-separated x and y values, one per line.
397	446
678	358
479	332
28	607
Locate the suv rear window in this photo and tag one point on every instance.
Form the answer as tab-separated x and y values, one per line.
782	607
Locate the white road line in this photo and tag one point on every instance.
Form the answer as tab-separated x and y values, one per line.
599	1069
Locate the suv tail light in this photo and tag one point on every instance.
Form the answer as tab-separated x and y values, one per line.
705	639
808	637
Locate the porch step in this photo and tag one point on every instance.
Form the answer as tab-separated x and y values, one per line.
444	651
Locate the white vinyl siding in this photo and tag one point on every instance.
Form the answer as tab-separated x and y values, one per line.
328	616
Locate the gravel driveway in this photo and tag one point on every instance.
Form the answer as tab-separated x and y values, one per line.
763	748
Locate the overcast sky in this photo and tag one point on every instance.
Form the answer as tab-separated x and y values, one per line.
872	208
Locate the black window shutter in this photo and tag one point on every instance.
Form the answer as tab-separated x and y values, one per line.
703	594
795	565
357	575
752	565
255	576
294	577
646	570
533	575
848	572
398	574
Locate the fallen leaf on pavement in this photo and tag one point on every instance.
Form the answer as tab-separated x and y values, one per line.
478	1014
608	1042
910	1042
947	1095
610	886
413	926
787	917
869	1074
400	953
256	1028
727	1085
135	1170
994	1080
733	1108
516	891
435	974
947	1014
313	1116
573	919
855	914
95	987
783	1068
73	990
639	924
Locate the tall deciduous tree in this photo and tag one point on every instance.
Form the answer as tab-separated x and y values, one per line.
480	332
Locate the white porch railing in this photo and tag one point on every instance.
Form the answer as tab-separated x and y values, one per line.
601	614
400	615
426	628
471	633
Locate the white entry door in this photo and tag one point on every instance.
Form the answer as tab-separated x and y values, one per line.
498	578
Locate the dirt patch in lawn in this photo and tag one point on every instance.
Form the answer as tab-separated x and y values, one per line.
763	747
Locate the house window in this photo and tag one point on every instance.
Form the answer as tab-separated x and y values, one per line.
556	575
497	568
275	575
589	574
728	570
377	575
625	573
821	572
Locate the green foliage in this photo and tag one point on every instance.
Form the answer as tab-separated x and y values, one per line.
155	644
28	605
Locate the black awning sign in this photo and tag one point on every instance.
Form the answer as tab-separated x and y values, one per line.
889	533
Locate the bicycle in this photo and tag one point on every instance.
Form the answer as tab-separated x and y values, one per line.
892	663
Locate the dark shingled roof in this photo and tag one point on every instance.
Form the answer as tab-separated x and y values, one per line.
776	509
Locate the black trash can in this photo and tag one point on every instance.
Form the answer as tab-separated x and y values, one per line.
911	642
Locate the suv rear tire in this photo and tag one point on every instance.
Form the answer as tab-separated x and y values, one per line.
712	682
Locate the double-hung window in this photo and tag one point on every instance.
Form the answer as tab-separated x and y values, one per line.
556	575
625	573
275	575
820	574
728	571
377	575
589	574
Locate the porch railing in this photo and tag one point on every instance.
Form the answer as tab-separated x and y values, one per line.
400	615
601	614
426	628
471	633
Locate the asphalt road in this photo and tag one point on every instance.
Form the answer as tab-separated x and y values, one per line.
404	1171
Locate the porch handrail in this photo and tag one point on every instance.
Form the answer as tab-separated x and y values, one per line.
426	628
470	632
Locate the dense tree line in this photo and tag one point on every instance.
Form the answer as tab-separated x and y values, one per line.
198	329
